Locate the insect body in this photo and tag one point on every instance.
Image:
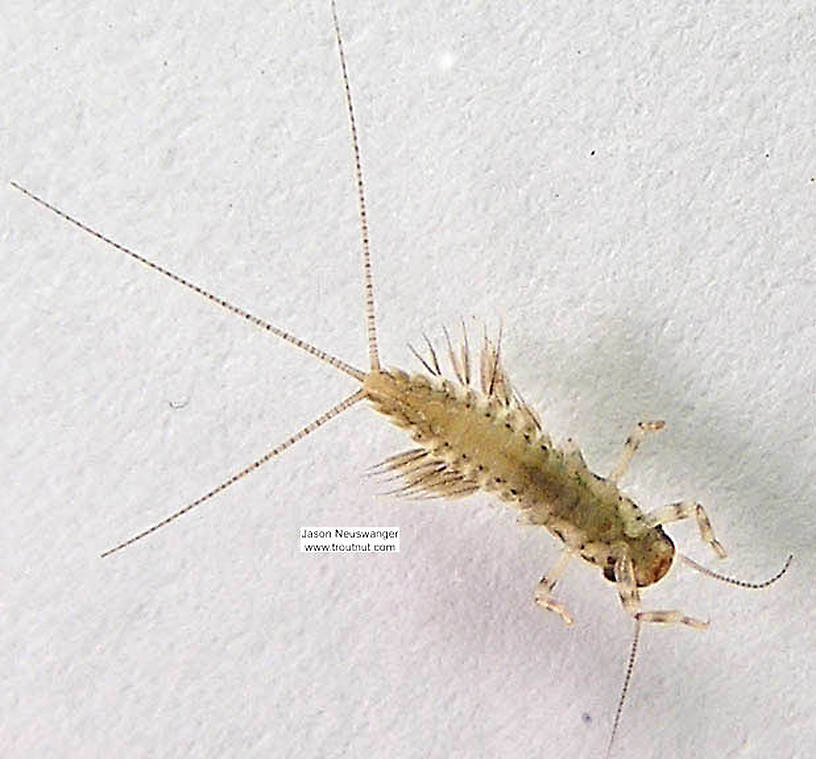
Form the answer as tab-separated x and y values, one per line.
491	440
469	438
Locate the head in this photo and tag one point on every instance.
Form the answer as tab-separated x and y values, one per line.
652	557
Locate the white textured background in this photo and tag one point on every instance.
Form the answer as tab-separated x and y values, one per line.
631	190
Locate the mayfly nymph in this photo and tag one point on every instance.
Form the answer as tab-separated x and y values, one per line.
475	433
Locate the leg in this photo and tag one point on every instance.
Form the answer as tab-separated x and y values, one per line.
630	599
631	445
543	593
674	512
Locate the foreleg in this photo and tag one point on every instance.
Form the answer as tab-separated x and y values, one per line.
630	599
674	512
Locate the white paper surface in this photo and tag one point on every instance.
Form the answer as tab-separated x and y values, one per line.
631	190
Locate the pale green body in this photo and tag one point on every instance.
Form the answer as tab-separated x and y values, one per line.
475	441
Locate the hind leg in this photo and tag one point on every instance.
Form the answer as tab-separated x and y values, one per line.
631	445
543	593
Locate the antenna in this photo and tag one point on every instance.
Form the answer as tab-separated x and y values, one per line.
733	581
631	664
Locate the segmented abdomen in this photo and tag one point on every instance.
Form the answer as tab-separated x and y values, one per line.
468	440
